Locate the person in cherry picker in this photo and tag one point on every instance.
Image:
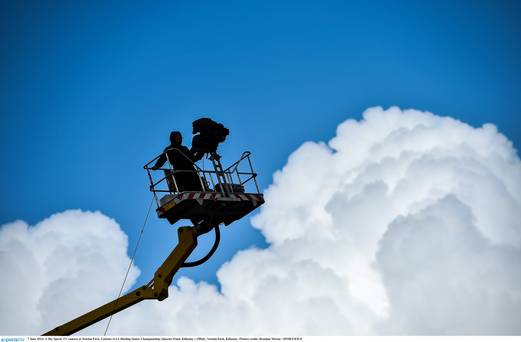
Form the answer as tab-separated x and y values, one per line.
182	161
208	135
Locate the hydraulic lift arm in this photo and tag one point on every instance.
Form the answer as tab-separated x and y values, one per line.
155	289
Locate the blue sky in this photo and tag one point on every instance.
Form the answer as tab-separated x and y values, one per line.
90	90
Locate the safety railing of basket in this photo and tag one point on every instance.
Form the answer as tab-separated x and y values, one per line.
239	173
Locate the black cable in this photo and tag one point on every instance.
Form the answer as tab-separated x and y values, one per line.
210	253
131	262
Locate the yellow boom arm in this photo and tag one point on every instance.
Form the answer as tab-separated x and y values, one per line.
155	289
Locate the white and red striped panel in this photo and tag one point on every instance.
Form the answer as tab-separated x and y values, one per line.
214	196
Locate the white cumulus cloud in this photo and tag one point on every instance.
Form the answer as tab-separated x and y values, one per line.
404	223
58	269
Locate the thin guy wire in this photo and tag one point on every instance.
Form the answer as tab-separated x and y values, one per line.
131	262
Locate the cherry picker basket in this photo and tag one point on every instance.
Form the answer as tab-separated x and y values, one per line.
222	197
